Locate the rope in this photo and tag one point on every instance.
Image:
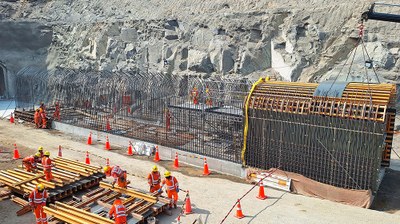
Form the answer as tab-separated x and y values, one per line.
258	183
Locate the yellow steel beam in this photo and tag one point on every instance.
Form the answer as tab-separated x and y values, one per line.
63	216
81	213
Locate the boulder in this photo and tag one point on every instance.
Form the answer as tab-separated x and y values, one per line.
199	61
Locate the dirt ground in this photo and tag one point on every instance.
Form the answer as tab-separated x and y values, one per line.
212	197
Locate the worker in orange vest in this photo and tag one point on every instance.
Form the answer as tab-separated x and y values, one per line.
56	114
118	174
29	162
172	188
37	200
195	95
154	179
46	162
118	212
40	150
36	118
44	119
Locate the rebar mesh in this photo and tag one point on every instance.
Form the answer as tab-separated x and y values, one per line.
141	105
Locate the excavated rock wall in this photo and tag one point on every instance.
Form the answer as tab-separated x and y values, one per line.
297	40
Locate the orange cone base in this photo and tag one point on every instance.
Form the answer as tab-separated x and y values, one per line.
239	216
108	147
262	198
16	154
176	164
130	152
89	141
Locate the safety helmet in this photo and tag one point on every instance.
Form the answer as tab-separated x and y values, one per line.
40	148
167	174
106	169
40	187
47	153
38	154
155	168
267	78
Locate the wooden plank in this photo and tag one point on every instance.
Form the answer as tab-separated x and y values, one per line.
130	192
98	219
93	199
28	180
24	210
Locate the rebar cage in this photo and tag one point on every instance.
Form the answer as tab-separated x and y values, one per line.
194	114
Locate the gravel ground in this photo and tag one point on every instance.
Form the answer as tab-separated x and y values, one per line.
211	197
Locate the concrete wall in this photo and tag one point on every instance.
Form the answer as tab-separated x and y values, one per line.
166	153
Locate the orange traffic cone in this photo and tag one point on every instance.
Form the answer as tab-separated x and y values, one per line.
176	161
16	152
107	162
87	160
12	119
108	126
89	140
239	213
206	172
157	155
108	147
188	205
59	151
261	194
130	151
129	110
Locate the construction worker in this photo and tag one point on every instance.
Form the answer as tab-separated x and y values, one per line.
168	119
195	95
118	212
118	174
46	162
36	118
44	119
154	179
56	114
37	200
208	97
172	188
40	150
29	162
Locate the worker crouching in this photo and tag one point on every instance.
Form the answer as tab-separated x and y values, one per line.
154	179
172	187
37	200
30	162
118	174
47	165
118	212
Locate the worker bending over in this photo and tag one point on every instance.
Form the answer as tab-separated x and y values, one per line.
154	179
118	174
47	165
56	114
37	200
172	188
30	162
44	119
118	212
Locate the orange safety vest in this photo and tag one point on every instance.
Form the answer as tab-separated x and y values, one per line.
38	198
118	211
172	183
31	160
46	162
154	178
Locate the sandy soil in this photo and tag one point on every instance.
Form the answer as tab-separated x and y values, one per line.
211	197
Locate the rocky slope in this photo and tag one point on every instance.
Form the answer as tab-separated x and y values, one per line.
306	40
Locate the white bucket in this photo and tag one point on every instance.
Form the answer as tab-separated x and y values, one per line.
151	220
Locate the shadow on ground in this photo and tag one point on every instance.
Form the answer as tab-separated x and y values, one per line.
388	196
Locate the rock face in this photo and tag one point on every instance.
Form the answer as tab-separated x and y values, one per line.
300	40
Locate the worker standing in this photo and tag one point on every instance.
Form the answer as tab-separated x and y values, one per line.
56	114
37	200
118	212
154	179
40	150
172	188
44	119
47	165
29	162
118	174
36	118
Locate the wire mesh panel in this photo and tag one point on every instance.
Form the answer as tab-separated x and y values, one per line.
190	113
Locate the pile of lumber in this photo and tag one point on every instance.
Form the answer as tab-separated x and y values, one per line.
94	206
69	176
